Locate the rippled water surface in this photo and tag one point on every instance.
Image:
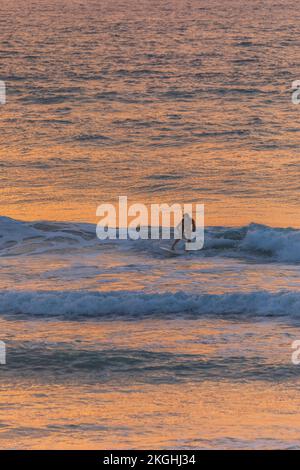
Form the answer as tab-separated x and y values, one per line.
180	100
116	344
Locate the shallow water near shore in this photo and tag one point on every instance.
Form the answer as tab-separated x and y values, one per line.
205	383
117	345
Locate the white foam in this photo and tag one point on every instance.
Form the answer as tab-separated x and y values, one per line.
25	238
77	304
282	244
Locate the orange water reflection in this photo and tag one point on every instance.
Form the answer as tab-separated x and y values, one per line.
54	408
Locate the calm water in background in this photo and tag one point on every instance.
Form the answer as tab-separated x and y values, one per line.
115	345
162	101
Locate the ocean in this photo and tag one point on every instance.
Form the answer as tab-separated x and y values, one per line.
115	344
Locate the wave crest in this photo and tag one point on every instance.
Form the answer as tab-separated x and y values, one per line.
255	241
129	305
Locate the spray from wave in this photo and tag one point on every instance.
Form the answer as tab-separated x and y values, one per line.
256	241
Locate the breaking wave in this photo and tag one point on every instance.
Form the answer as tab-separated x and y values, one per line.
130	305
255	241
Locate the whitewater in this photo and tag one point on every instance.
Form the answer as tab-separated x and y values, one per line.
63	270
115	344
102	333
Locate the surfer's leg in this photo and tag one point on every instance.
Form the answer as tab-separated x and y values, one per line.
175	243
189	241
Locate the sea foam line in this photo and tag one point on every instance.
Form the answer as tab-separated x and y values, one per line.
132	304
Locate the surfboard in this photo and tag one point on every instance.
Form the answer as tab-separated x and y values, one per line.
171	252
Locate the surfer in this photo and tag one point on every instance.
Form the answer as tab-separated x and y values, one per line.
185	229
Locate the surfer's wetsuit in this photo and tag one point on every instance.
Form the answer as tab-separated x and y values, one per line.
182	228
191	228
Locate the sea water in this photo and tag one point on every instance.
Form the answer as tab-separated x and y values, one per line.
115	344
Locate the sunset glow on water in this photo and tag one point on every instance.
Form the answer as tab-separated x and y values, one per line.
117	343
162	102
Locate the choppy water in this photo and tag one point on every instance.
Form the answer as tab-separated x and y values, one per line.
116	344
63	269
182	101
